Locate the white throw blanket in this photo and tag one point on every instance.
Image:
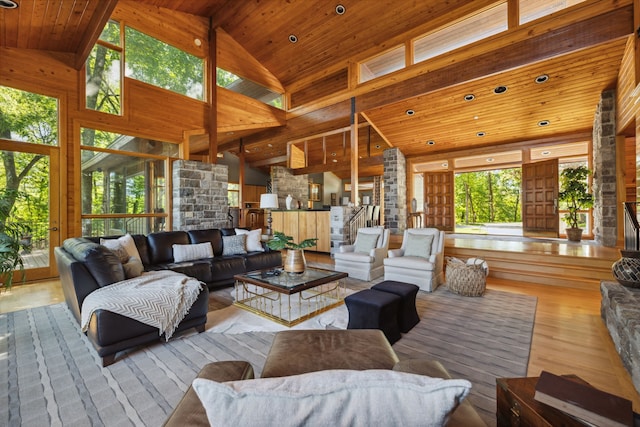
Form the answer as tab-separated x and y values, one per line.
157	298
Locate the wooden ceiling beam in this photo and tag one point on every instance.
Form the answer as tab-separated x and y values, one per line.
580	35
99	19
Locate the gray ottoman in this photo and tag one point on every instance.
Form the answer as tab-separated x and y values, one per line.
371	309
407	314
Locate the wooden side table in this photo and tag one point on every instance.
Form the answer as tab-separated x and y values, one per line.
517	407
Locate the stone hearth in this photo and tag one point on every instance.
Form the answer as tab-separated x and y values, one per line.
620	310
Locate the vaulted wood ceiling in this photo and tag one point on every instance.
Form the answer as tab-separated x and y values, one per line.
580	49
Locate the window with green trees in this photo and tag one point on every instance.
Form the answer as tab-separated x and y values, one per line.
103	89
491	196
155	62
123	183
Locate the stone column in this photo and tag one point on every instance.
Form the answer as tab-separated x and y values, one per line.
395	190
605	227
284	182
199	195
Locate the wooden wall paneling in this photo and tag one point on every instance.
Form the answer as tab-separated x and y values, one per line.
51	76
231	56
327	85
161	113
239	112
175	28
625	101
323	231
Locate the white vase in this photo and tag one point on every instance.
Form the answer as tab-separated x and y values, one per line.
414	205
288	201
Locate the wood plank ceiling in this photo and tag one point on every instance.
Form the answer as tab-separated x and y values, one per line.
583	64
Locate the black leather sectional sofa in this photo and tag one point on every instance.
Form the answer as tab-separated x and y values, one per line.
84	266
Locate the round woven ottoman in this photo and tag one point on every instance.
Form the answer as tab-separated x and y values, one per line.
467	278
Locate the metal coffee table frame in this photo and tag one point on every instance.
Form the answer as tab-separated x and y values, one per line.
289	299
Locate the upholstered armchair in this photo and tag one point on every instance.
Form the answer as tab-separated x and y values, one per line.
363	259
420	259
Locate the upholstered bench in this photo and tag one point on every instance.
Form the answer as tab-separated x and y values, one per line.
319	350
303	351
407	313
371	309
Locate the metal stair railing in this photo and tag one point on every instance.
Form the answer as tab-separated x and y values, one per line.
631	227
357	220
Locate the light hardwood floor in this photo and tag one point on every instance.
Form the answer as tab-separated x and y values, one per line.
569	335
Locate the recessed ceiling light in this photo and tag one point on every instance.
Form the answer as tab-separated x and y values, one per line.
500	89
269	145
469	97
445	165
490	159
293	38
475	117
377	146
8	4
545	153
335	161
247	150
542	78
481	134
544	123
431	142
333	154
410	112
340	9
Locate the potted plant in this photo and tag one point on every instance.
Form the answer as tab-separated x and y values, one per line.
575	193
294	261
12	238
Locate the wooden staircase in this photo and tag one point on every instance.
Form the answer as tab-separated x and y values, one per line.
546	269
553	262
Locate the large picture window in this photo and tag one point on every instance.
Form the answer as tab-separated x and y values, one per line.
124	186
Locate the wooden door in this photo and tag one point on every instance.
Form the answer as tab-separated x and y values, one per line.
540	199
438	196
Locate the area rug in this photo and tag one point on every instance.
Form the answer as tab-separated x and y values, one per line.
51	375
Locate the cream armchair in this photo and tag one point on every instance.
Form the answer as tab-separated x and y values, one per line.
420	259
363	259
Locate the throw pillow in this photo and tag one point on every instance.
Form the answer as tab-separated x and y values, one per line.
333	398
418	245
365	242
234	245
254	239
119	251
193	251
132	267
126	242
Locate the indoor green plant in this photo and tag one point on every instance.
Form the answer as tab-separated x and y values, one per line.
574	191
12	237
294	262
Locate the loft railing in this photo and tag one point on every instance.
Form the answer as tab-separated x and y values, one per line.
631	227
357	220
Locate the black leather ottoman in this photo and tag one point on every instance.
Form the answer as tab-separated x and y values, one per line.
371	309
407	314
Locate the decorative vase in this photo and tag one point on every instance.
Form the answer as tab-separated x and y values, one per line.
288	201
626	270
574	234
414	205
294	262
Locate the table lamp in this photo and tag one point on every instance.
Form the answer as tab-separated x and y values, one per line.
269	201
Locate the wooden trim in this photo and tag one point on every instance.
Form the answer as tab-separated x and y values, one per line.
98	20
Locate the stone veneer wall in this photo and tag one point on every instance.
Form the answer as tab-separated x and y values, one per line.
199	195
395	190
605	207
620	310
284	182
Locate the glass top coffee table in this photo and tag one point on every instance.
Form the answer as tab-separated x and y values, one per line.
287	298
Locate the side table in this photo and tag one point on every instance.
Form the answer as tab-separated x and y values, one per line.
517	407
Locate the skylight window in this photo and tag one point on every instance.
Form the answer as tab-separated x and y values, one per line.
381	65
533	9
477	27
235	83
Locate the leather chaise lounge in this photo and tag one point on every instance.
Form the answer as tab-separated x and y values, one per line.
84	266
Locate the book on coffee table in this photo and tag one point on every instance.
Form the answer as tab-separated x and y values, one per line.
584	401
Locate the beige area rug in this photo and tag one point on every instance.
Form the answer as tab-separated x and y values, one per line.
236	320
